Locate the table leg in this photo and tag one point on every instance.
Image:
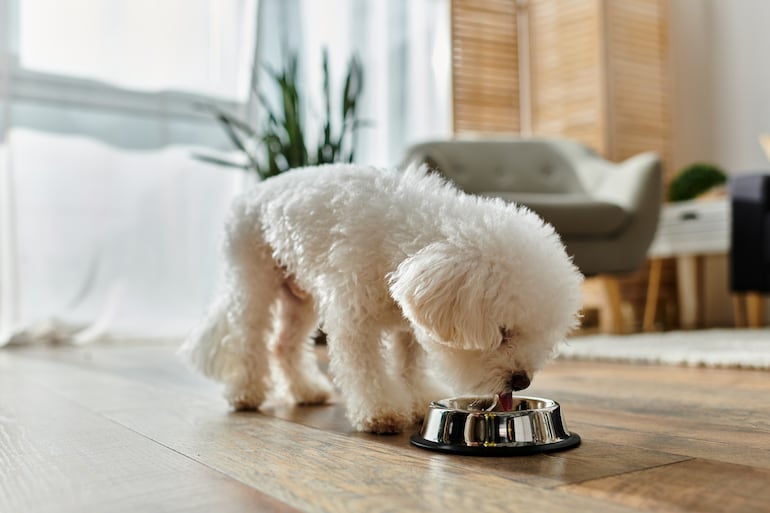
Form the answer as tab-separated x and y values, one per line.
747	307
739	309
688	290
754	307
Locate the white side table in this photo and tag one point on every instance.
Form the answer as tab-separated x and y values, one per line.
687	231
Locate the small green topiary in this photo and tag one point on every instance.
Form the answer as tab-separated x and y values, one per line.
694	180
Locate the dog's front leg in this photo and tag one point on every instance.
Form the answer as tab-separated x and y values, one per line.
375	402
410	364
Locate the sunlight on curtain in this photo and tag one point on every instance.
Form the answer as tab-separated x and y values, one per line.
200	46
131	237
108	223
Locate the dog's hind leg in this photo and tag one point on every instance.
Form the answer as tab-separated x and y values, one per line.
293	349
231	345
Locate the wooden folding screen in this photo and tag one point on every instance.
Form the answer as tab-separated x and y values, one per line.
485	66
590	70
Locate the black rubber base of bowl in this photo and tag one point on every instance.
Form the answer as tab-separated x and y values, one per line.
523	450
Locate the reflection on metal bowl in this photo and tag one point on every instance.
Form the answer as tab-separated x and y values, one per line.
494	426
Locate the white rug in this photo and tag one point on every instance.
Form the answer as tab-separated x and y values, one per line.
734	348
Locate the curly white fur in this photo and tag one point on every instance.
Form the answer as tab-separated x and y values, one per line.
408	276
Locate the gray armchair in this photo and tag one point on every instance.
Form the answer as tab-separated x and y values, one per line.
606	213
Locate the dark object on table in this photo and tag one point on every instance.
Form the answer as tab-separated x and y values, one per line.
750	248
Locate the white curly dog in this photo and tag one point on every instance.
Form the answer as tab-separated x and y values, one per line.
422	290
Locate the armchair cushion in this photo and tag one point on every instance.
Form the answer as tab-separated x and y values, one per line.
488	165
571	214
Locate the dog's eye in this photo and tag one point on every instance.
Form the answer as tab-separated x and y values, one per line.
509	335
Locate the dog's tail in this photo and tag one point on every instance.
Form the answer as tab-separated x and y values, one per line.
209	348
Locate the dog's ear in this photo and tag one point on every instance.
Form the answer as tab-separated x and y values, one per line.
445	292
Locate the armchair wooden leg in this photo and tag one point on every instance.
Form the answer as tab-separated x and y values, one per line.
603	293
653	291
612	323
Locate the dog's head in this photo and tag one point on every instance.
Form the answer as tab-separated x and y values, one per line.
489	318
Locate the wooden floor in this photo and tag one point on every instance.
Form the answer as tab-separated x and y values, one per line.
129	429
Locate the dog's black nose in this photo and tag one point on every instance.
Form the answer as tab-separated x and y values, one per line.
519	381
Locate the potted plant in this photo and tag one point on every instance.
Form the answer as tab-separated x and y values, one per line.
281	142
695	180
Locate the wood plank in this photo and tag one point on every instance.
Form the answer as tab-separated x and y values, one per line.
715	389
56	456
683	437
360	467
594	457
720	414
695	485
665	392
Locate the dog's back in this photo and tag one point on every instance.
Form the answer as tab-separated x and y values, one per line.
343	218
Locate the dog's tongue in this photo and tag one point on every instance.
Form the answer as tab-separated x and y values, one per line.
506	401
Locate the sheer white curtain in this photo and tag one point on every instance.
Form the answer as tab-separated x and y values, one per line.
104	216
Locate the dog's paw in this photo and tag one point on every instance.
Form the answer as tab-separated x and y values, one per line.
418	414
317	391
244	405
313	397
244	400
422	401
385	423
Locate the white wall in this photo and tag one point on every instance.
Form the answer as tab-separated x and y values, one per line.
720	51
721	82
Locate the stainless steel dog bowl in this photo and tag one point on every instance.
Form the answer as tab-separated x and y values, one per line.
494	426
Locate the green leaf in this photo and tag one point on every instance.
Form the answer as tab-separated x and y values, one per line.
361	123
219	161
236	140
281	143
327	130
353	86
297	155
271	117
221	115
